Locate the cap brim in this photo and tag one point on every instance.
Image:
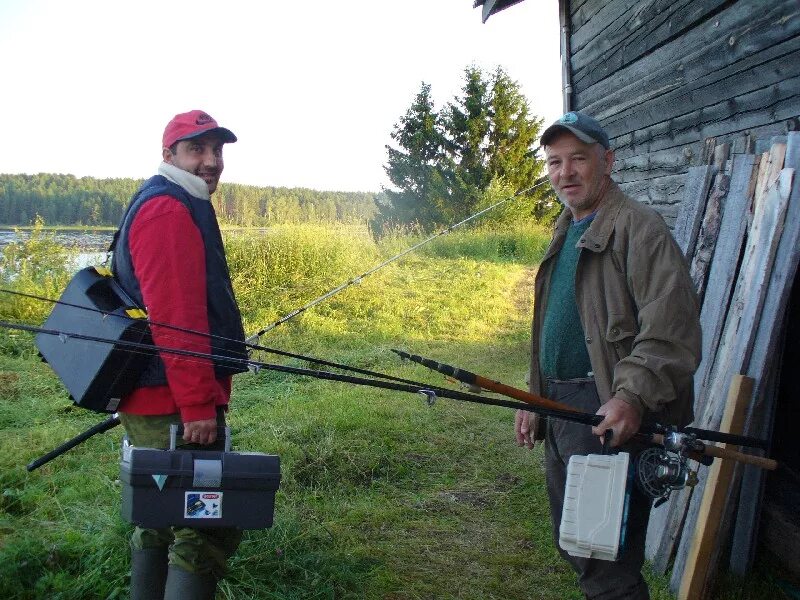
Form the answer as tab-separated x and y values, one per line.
552	131
226	134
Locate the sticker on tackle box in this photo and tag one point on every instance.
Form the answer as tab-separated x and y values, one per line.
202	505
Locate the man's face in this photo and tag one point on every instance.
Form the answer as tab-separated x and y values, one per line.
578	172
201	156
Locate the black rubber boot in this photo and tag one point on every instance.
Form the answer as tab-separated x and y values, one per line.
148	573
183	585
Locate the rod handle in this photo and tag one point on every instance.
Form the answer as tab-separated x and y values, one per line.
727	453
101	427
749	459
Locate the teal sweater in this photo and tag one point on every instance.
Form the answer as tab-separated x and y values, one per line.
563	352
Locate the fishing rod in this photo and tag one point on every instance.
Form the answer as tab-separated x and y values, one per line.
532	403
686	439
429	392
203	334
358	278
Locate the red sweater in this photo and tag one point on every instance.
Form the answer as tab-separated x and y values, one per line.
169	259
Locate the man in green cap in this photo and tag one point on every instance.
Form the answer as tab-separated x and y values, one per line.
616	332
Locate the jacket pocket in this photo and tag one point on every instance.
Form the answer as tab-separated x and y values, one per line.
621	330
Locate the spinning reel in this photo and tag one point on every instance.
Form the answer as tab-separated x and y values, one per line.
660	470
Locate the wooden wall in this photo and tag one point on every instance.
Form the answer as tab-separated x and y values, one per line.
664	75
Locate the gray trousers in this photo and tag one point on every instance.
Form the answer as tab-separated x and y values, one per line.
598	579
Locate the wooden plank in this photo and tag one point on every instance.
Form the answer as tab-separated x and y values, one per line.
740	327
771	104
690	213
666	522
781	281
622	32
610	44
722	272
768	171
609	21
751	492
751	289
712	506
750	23
664	529
708	151
721	154
709	231
744	144
703	80
667	190
694	147
581	11
654	164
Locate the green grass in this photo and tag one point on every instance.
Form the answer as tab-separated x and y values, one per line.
382	496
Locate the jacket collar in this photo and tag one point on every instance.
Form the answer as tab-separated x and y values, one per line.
193	184
599	233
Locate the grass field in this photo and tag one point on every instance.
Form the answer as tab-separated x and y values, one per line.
382	496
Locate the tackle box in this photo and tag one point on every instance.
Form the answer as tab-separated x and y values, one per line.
596	498
198	488
96	374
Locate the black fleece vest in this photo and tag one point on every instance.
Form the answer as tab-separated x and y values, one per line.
224	319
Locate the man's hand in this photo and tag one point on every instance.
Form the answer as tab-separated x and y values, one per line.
200	432
623	418
526	426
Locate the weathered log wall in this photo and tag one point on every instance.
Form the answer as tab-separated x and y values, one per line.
664	75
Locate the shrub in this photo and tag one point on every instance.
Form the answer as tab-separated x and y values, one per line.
36	266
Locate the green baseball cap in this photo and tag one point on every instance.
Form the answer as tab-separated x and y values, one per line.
582	126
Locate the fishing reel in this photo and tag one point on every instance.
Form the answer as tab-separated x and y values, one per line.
660	470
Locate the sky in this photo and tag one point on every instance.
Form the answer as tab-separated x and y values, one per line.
312	88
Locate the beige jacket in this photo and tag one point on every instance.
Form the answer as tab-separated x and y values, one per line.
638	308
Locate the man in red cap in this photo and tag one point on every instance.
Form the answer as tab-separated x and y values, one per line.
169	257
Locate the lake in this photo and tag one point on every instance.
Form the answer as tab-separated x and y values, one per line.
90	243
87	240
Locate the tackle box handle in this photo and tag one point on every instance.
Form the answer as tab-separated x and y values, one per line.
175	429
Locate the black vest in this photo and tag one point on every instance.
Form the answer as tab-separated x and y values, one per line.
224	319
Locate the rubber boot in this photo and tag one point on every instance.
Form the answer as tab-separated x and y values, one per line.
183	585
148	573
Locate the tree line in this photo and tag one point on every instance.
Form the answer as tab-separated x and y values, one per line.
68	200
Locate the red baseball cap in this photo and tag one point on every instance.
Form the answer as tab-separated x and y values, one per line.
191	124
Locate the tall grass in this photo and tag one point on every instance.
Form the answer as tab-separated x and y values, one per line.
517	243
292	265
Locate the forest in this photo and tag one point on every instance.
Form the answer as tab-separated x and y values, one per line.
69	200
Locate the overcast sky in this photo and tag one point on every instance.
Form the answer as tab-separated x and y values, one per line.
312	88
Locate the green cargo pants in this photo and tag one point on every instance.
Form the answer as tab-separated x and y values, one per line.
197	550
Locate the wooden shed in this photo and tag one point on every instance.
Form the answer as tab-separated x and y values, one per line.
675	82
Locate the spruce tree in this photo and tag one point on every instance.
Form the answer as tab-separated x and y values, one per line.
416	167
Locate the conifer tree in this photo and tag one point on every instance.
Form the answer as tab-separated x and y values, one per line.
446	164
415	167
